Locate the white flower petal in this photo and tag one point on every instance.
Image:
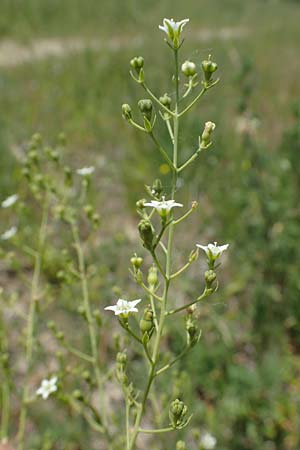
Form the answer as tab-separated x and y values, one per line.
8	234
9	201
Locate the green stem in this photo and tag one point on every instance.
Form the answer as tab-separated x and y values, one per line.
160	430
205	294
190	160
166	274
157	100
162	152
90	321
31	321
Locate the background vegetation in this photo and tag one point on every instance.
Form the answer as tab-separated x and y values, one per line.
64	67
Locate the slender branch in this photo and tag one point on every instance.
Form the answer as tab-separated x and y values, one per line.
31	320
190	160
182	218
171	363
157	100
160	430
206	293
162	151
202	92
151	293
90	321
183	268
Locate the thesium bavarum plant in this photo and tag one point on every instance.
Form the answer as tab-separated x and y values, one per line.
81	380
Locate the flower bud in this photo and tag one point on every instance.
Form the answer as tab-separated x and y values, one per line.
177	413
97	317
68	176
193	255
126	112
146	323
165	100
77	394
121	358
206	135
188	68
137	63
209	67
86	375
152	276
210	277
192	331
180	445
146	233
157	187
140	204
146	106
136	261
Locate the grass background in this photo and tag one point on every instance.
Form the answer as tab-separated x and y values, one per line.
245	372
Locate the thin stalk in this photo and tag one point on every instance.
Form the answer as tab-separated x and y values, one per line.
90	321
160	430
166	274
5	410
31	321
205	294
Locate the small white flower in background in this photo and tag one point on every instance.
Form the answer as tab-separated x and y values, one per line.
213	251
8	234
9	201
124	307
164	206
173	29
208	441
86	171
47	387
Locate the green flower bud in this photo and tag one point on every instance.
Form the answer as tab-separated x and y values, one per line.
77	394
188	68
136	261
51	325
146	106
137	63
68	176
177	414
206	135
60	335
54	155
180	445
192	331
81	310
146	323
89	210
152	276
165	100
210	277
140	204
146	233
121	358
126	112
209	67
193	255
157	187
86	375
97	317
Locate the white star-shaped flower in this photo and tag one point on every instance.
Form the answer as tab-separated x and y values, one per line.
213	251
8	234
208	441
164	206
86	171
170	27
9	201
47	387
124	307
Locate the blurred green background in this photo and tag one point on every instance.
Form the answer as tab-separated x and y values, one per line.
64	67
